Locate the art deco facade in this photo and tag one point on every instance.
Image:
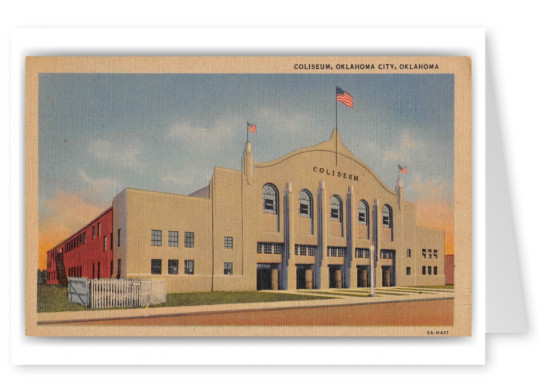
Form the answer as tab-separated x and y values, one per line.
311	219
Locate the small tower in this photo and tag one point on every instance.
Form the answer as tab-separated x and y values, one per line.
247	162
399	193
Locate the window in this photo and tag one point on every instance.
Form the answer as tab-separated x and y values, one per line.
93	270
409	252
305	204
387	216
156	266
435	269
111	271
430	270
189	239
172	238
228	268
189	266
424	252
336	209
105	243
387	254
424	270
93	232
430	253
335	251
269	248
363	253
84	237
119	268
435	252
118	237
302	250
156	237
228	241
111	237
269	197
362	213
99	229
172	266
408	271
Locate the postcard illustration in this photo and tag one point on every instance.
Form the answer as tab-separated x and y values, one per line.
248	196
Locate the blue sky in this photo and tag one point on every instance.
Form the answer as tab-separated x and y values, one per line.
100	133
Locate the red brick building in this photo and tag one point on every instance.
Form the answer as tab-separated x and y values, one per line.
86	253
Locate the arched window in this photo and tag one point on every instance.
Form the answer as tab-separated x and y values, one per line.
269	196
387	216
336	209
363	215
305	204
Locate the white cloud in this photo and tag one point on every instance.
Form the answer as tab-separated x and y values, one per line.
179	181
433	189
125	155
188	132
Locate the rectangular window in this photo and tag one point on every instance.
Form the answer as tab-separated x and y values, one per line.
84	237
99	229
267	248
189	239
408	271
302	250
172	266
119	268
156	266
118	237
93	232
435	269
189	266
111	273
156	237
172	238
435	252
277	248
409	253
424	252
93	270
111	237
105	243
311	250
430	254
424	270
259	248
228	241
430	270
228	268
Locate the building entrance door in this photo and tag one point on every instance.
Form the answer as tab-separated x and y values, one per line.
304	277
263	277
387	276
335	277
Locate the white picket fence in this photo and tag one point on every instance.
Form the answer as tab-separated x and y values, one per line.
111	293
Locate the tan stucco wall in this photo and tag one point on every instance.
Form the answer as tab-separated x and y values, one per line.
234	208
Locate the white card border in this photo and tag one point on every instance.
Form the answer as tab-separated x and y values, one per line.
245	351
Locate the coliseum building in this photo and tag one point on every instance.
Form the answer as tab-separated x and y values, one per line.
312	219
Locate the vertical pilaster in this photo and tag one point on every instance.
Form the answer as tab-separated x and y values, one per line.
322	236
350	238
376	223
288	235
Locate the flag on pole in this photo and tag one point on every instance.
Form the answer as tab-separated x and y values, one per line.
344	97
402	169
251	127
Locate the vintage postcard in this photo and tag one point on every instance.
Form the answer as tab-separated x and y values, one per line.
248	196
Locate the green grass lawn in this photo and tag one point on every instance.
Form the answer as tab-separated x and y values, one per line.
53	298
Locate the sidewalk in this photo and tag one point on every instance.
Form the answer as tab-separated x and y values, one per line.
335	297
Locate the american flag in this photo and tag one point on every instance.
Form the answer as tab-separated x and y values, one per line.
402	169
344	97
251	127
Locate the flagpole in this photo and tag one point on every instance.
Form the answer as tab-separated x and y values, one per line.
336	127
247	130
